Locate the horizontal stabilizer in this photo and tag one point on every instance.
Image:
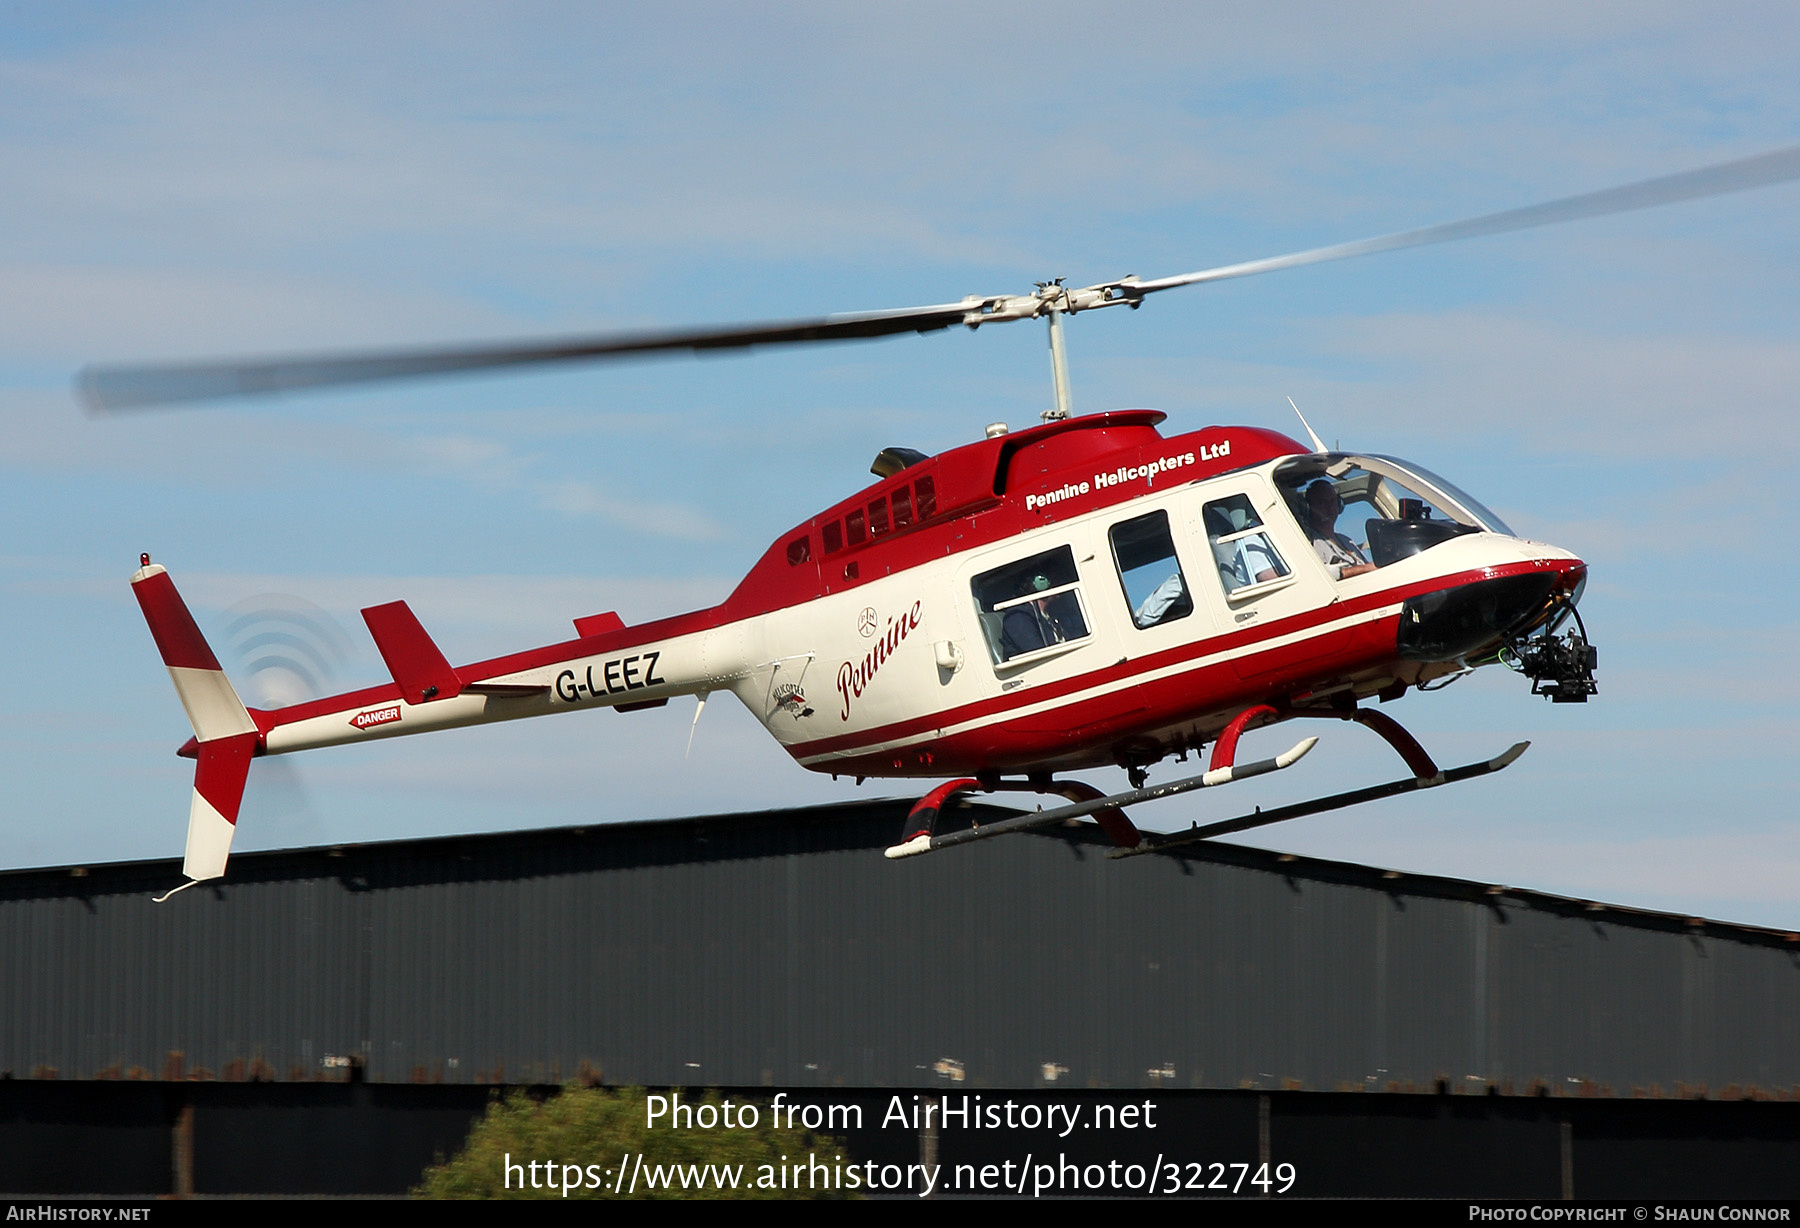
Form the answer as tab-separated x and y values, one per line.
418	667
598	624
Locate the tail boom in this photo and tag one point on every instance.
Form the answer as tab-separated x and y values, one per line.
609	671
609	665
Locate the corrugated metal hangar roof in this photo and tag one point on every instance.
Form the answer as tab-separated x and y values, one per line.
783	949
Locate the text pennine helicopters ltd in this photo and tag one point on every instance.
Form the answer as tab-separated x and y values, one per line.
1086	592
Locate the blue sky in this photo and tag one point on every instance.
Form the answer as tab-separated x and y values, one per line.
188	180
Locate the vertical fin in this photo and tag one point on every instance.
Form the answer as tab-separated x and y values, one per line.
213	707
218	792
226	738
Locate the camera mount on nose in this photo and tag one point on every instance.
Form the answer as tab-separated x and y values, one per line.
1561	668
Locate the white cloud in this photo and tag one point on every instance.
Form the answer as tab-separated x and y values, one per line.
1637	396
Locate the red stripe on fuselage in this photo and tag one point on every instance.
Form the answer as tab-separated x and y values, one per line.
1280	660
1084	733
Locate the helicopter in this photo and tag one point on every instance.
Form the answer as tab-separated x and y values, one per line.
1086	592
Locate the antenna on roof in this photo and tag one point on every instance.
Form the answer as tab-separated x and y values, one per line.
1317	443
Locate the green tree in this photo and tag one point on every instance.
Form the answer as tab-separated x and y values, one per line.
595	1142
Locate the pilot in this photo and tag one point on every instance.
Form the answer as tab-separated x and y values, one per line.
1339	554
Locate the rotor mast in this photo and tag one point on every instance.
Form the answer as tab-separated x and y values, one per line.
1059	367
1052	301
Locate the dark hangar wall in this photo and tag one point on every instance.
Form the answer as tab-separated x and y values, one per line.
783	949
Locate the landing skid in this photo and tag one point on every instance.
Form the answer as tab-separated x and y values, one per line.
1153	842
926	842
1108	810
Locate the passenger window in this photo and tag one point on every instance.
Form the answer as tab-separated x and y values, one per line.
1242	550
854	524
902	507
1155	589
834	537
878	523
926	489
1031	606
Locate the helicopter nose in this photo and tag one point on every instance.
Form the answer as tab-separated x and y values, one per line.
1572	574
1458	622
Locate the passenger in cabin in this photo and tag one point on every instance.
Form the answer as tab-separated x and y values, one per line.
1032	625
1256	560
1161	600
1243	560
1340	555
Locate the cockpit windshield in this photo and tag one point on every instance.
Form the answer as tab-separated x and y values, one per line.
1363	512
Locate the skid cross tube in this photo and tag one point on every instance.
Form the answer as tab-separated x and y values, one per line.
1156	842
1219	776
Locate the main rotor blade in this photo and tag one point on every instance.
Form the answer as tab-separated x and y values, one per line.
1764	170
109	388
124	387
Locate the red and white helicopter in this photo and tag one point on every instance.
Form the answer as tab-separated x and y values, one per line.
1082	593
